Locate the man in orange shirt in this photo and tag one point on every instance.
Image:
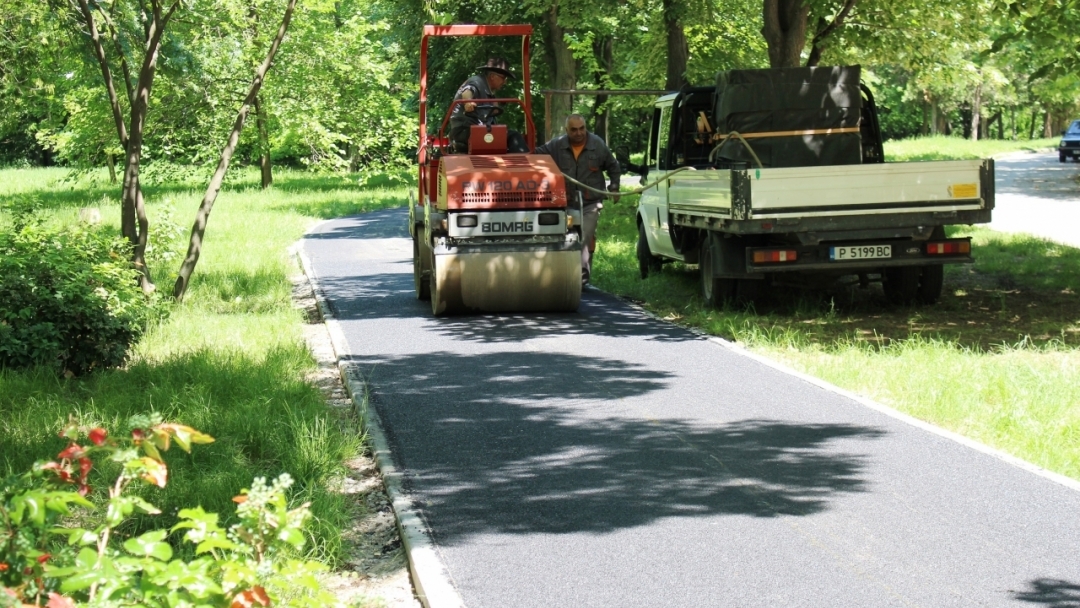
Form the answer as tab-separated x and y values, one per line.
584	157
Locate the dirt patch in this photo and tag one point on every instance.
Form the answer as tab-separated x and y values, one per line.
375	572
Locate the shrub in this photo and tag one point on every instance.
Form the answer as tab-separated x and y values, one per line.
43	562
68	298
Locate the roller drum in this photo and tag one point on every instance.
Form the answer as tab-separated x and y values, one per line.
529	281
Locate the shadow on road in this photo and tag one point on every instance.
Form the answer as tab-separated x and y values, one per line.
1039	176
382	224
1051	592
537	442
391	295
598	315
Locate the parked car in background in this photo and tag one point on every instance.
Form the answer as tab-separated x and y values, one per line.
1070	142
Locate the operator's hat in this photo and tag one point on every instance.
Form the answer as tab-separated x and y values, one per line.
498	65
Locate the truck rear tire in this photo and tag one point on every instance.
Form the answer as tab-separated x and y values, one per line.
901	285
716	291
646	260
931	283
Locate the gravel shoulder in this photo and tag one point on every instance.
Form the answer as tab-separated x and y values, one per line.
376	571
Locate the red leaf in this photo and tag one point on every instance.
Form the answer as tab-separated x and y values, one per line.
256	596
71	452
84	467
239	499
58	601
98	435
44	557
4	567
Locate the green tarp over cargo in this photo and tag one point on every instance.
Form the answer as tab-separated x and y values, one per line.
817	99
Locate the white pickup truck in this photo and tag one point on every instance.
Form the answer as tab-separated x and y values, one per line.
749	225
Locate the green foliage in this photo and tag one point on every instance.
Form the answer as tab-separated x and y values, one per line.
32	79
333	101
68	297
231	360
890	88
249	563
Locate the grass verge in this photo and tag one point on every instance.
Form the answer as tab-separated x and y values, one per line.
997	359
940	147
230	360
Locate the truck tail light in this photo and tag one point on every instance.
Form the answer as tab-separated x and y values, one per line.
775	256
960	247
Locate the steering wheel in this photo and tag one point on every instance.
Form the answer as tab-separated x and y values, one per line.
486	113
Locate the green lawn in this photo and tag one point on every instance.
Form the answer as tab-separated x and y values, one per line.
997	359
230	360
940	147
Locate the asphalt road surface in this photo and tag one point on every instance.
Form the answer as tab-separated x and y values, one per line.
1038	194
605	458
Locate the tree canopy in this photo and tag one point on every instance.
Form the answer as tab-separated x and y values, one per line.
149	87
343	92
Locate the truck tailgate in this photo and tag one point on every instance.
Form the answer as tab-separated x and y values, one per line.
887	188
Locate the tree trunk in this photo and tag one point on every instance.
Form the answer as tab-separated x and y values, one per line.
934	117
133	222
678	50
106	73
824	30
354	158
604	51
563	71
1012	121
976	109
1047	131
924	128
784	29
264	145
198	230
110	160
1031	127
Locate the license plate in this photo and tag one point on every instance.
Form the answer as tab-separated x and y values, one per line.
860	252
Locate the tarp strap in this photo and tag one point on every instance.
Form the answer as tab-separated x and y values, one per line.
721	137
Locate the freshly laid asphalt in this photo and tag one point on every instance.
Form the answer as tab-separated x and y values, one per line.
606	458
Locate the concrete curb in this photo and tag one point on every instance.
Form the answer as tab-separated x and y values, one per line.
1058	478
433	584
